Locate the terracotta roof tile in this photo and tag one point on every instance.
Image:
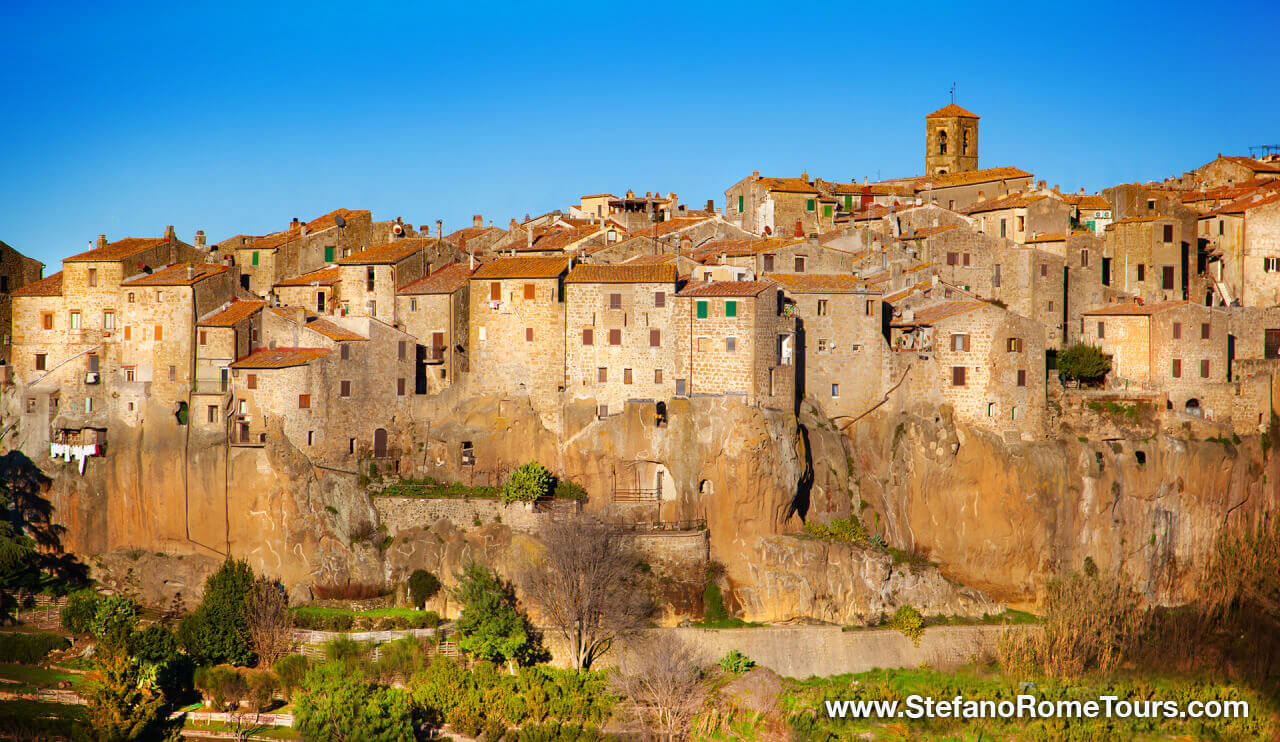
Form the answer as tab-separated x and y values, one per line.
1087	201
444	280
971	177
1011	201
118	250
728	288
650	260
788	185
623	273
920	234
818	283
327	276
1046	237
1134	308
333	330
232	312
280	357
951	110
523	267
295	232
1241	205
1256	166
463	236
670	226
47	286
931	314
176	275
392	252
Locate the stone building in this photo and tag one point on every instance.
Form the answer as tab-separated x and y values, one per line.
224	335
1232	170
841	349
477	238
1243	244
1022	216
739	342
434	309
956	191
371	277
1149	257
517	330
16	271
318	290
302	248
781	206
951	141
1091	211
620	329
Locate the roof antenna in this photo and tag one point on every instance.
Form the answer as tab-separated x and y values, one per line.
953	92
339	221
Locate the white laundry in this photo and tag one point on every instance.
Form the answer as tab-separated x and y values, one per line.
69	452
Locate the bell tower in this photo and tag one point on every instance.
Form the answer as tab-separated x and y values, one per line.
951	141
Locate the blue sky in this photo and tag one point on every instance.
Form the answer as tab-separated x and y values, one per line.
235	117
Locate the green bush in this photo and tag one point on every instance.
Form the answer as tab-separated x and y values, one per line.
77	614
217	632
569	490
346	652
529	482
222	686
713	604
850	530
291	671
1083	363
908	621
340	705
423	586
736	662
114	617
557	732
30	649
491	626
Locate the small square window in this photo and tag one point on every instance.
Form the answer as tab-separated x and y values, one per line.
655	338
731	309
835	390
304	401
1022	377
602	375
1204	331
626	376
730	345
822	307
344	352
530	292
615	301
588	336
399	387
344	388
528	334
660	299
657	376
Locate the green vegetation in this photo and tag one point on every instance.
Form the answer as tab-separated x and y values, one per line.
1083	363
528	483
337	704
423	586
124	702
29	649
909	622
31	677
217	632
39	720
1128	412
569	490
714	614
849	530
736	662
376	619
491	627
430	488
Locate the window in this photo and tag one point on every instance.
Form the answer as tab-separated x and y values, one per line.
1219	226
731	309
680	386
244	407
88	404
530	292
655	338
368	278
657	376
1271	265
1044	270
991	409
615	337
799	264
871	307
835	390
255	258
495	291
1142	272
768	263
304	401
204	337
826	209
626	376
848	203
1151	203
1204	331
957	375
130	297
602	375
588	337
1204	368
75	319
344	388
1177	330
995	276
965	260
1022	223
1177	368
399	387
1166	278
1102	329
1168	233
46	319
808	204
1002	227
344	351
252	381
371	307
822	345
951	258
964	142
93	276
612	237
400	350
731	345
159	335
959	342
31	405
1022	377
1084	258
740	199
40	361
942	142
702	310
413	303
1014	345
528	334
351	445
822	307
213	413
660	298
615	301
311	437
328	253
129	373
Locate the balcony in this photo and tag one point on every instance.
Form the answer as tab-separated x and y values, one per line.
433	356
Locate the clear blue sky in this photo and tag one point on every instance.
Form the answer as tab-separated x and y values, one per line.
122	118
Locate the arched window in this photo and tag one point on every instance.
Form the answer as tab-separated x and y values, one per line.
942	142
964	143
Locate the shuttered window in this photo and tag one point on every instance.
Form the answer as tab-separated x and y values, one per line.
702	310
529	292
1177	368
615	337
495	291
588	337
304	401
957	375
328	253
731	309
655	338
1204	368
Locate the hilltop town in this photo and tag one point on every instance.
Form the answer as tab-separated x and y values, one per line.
732	370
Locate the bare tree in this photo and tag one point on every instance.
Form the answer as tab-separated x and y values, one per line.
270	625
662	679
585	582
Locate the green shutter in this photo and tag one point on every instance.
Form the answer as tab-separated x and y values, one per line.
731	309
826	210
739	204
1002	228
848	203
328	253
255	257
808	204
702	310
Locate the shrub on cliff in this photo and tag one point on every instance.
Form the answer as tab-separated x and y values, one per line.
1083	363
77	614
423	586
217	632
529	482
491	627
908	621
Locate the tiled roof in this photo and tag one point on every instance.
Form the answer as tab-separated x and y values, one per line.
118	250
392	252
972	177
1010	201
1252	201
319	224
324	277
47	286
325	327
1137	220
951	110
444	280
280	357
920	234
558	238
176	275
818	283
600	195
622	273
523	267
1131	308
841	188
788	185
1046	237
937	312
669	226
728	288
1254	165
232	312
885	275
463	236
650	260
1087	201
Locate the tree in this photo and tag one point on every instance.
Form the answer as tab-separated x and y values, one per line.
529	482
586	584
269	622
123	701
114	618
1083	363
217	632
423	586
491	626
663	679
345	707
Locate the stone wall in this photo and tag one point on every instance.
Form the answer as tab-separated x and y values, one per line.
406	513
1261	242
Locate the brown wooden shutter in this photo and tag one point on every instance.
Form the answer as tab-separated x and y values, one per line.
304	401
957	376
655	338
495	291
615	337
588	337
529	291
626	376
1204	368
528	334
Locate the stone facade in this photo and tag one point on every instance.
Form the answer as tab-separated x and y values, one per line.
302	248
1260	255
951	141
16	271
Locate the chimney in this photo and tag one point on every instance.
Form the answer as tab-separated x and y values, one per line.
471	260
711	204
200	241
102	240
528	237
477	220
300	321
168	233
191	272
440	229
